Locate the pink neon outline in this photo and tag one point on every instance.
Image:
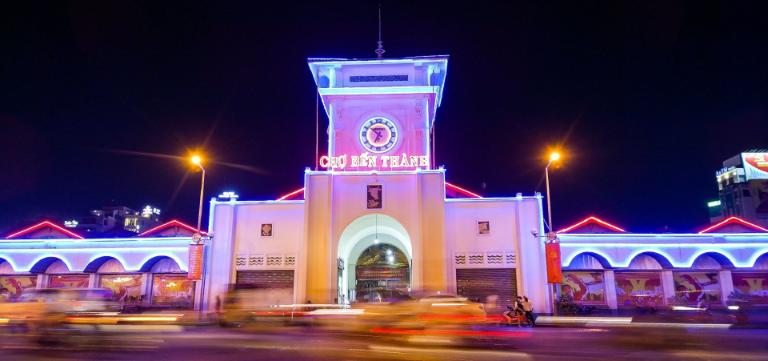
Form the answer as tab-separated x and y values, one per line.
42	225
289	195
462	190
732	220
592	219
448	185
168	224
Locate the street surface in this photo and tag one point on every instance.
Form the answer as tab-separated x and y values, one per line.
212	343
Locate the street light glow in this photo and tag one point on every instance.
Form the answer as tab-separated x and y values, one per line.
196	160
554	156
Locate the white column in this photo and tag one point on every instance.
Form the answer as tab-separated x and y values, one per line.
609	282
726	285
92	281
146	281
667	285
219	269
42	280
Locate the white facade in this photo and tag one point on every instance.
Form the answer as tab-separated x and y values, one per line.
379	188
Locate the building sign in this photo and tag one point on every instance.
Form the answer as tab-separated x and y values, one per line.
639	289
374	196
755	165
367	161
694	287
584	287
195	262
381	273
752	285
68	281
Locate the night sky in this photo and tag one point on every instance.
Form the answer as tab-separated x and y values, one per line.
647	98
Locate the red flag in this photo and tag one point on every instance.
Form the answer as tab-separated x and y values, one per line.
195	262
554	270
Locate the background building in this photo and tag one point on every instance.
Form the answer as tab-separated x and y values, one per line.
742	184
116	221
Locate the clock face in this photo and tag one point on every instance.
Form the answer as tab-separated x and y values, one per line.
378	134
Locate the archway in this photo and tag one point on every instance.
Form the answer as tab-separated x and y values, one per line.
366	237
382	273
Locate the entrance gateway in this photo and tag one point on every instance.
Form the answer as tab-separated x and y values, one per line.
375	254
378	221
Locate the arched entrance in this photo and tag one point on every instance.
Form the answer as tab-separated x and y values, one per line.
371	242
382	273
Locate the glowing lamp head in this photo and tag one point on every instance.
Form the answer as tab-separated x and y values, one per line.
196	159
554	156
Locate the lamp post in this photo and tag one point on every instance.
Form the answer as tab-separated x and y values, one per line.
198	161
553	157
552	253
196	249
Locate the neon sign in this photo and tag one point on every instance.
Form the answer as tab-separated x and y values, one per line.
369	161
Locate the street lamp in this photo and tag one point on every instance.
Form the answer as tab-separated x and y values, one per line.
198	161
553	157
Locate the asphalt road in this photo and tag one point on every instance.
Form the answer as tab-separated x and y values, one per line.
211	343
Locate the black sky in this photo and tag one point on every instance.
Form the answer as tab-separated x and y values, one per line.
648	98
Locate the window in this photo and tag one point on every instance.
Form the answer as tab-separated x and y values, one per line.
374	196
127	288
483	227
266	229
173	290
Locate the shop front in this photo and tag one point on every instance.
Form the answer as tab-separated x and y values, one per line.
609	267
141	272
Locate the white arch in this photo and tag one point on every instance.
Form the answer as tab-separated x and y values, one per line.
10	261
724	253
117	257
371	224
182	265
60	257
361	233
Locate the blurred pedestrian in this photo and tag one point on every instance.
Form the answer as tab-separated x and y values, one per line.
528	311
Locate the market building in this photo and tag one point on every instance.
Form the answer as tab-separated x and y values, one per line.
379	221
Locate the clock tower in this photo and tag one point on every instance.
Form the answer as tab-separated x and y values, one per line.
381	111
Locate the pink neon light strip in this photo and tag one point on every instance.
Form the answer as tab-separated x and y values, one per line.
591	219
462	190
448	185
733	220
44	224
291	195
173	223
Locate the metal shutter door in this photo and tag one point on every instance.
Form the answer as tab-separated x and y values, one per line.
479	283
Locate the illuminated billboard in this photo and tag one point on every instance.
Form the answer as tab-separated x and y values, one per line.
755	165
